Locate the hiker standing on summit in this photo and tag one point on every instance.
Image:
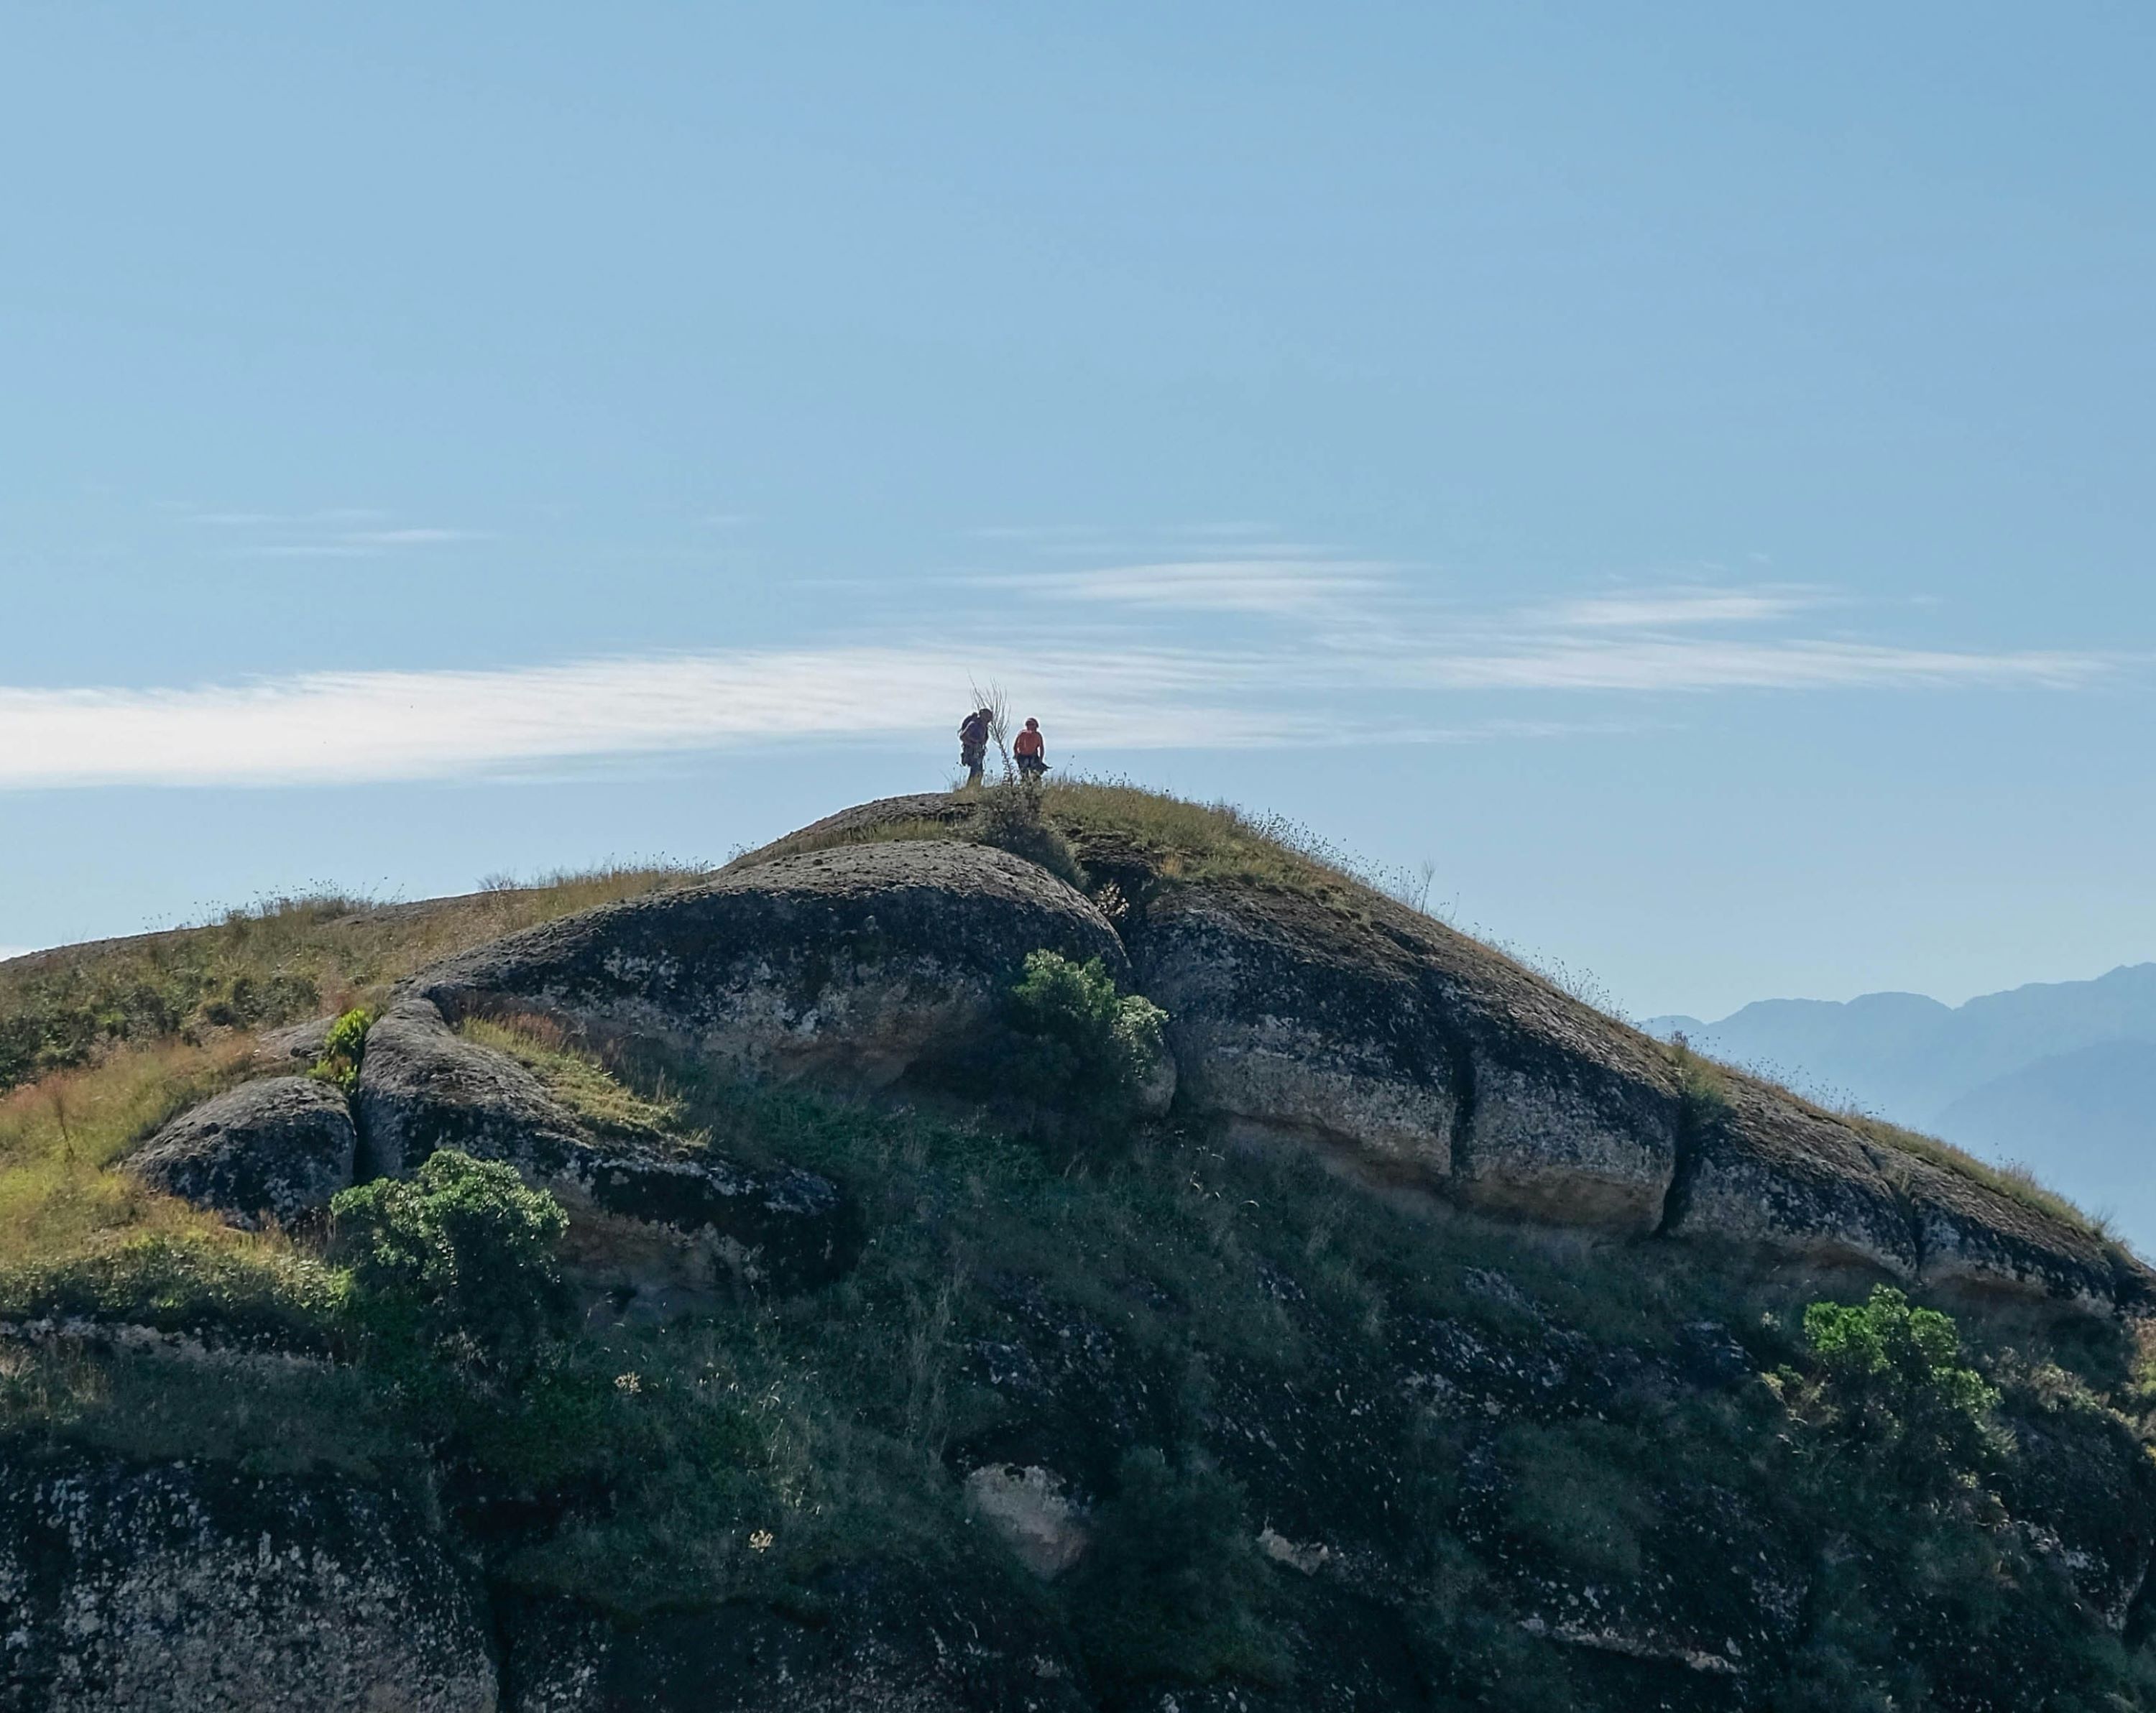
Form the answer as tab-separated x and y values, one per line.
973	732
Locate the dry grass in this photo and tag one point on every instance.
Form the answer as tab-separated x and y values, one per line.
1200	842
273	963
80	1236
576	1078
60	1137
2016	1182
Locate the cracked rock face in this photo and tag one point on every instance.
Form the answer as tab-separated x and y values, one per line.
423	1086
1282	1040
895	1644
180	1590
1375	1036
1768	1171
852	965
277	1149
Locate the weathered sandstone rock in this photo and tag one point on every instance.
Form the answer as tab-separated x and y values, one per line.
184	1590
1283	1032
279	1148
1429	1060
1972	1237
294	1049
1032	1511
855	964
422	1087
1760	1168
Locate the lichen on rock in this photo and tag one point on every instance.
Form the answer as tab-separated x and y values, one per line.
277	1149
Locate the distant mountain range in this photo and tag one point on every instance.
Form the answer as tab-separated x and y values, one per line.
2059	1076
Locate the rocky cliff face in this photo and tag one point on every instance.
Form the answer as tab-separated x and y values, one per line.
850	965
1318	1412
180	1589
1341	1019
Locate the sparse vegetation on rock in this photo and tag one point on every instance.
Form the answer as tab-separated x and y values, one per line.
712	1327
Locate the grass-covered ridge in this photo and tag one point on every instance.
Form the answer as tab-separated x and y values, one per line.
275	962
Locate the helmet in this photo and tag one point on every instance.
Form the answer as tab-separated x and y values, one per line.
1033	726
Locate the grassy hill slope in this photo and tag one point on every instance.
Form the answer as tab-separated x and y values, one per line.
1287	1438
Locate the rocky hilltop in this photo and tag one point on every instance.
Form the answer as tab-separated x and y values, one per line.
1070	1249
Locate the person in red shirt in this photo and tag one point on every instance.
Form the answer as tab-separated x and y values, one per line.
1029	751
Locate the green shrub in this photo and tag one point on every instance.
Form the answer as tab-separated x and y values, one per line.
1893	1381
344	1048
1081	1041
1173	1586
462	1254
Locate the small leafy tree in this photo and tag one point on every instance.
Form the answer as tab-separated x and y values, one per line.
1174	1586
1082	1041
462	1253
1893	1381
344	1048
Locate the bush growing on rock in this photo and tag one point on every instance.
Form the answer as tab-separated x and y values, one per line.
1173	1586
344	1048
1081	1041
1008	817
463	1251
1893	1381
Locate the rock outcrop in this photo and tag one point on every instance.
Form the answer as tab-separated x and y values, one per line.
1327	1015
891	1642
178	1589
1368	1031
277	1150
855	965
424	1087
1758	1169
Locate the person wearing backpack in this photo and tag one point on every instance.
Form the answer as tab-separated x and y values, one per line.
974	743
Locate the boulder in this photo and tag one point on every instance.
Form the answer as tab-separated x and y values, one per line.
275	1150
855	964
294	1049
1033	1512
181	1589
423	1086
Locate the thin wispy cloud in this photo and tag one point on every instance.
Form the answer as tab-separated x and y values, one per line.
1688	664
371	726
1678	609
1249	584
361	726
1231	640
340	532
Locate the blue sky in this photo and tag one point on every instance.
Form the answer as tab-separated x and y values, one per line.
1684	472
